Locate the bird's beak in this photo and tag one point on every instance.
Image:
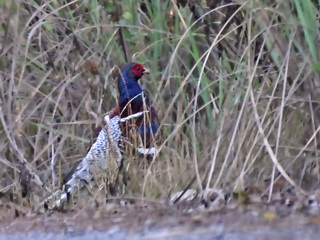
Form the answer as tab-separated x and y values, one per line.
146	71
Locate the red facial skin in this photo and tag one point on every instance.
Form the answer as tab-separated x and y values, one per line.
138	70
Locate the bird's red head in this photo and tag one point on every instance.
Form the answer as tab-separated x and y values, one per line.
138	70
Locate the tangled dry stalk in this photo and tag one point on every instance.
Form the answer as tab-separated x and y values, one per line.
236	82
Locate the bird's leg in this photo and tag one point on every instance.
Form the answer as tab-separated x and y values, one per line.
124	174
119	172
113	188
115	168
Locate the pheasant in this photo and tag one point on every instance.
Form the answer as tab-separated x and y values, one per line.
133	120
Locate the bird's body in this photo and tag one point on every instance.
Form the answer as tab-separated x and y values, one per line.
132	120
132	99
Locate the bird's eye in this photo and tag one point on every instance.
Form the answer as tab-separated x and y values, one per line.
138	69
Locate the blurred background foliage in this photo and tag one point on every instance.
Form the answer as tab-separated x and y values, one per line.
236	84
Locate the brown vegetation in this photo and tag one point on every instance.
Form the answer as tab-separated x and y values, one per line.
236	83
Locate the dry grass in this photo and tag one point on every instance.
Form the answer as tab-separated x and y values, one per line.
236	86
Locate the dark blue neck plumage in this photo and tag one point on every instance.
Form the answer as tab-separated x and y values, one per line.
130	91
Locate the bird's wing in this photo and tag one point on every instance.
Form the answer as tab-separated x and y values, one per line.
103	152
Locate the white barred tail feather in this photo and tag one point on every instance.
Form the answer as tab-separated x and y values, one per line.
104	150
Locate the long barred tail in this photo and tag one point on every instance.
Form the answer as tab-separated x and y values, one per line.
103	152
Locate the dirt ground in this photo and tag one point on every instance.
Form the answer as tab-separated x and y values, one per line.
163	222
